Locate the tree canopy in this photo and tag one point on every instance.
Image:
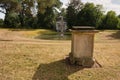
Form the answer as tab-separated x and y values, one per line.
89	15
110	21
23	10
42	14
92	15
9	5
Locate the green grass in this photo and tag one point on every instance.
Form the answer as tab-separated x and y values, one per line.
37	32
45	60
46	34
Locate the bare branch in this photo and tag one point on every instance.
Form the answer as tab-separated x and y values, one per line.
2	11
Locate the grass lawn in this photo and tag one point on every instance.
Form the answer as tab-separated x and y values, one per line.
37	59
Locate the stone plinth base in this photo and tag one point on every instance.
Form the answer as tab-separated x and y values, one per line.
82	46
83	61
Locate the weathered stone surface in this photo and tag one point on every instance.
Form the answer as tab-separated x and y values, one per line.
82	47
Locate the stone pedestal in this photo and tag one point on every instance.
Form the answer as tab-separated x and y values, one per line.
82	46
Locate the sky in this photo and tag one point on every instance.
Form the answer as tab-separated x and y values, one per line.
1	15
107	5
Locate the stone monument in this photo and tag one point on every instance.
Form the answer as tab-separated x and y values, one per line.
82	46
61	26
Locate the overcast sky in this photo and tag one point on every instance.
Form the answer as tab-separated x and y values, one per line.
1	15
107	5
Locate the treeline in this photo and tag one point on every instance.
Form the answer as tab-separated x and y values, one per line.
29	13
34	14
91	15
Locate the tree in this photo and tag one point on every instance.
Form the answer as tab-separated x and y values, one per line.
90	15
63	12
119	22
118	16
25	11
46	15
8	6
1	22
84	15
110	21
72	11
19	7
71	16
118	26
46	20
12	20
43	4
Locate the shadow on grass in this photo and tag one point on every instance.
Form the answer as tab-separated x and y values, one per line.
59	70
115	35
21	29
5	40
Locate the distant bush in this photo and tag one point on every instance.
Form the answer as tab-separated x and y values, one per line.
12	20
1	22
118	24
89	15
110	21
